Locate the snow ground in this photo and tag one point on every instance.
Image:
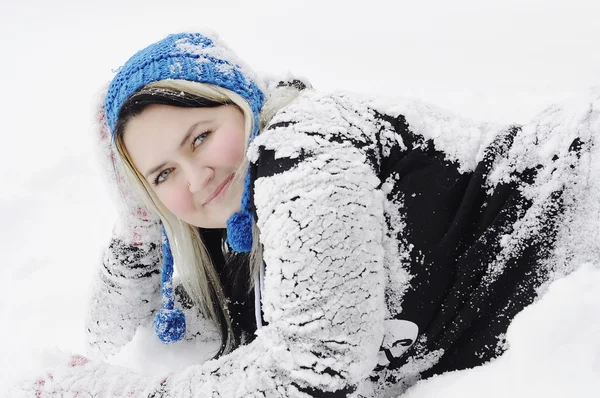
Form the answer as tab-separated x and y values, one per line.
489	60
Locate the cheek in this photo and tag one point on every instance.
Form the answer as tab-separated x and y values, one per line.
230	148
178	201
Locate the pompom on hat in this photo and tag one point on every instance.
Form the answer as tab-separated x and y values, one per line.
204	59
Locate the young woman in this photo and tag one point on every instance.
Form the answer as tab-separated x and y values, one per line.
337	245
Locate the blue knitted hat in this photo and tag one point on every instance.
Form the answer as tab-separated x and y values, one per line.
199	58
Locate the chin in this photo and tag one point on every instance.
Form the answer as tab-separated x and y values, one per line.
208	224
218	220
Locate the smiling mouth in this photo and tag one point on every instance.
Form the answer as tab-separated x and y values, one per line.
218	190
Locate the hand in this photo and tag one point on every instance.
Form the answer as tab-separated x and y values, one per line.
80	377
42	385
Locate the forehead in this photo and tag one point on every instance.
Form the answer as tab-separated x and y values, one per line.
163	118
165	122
159	129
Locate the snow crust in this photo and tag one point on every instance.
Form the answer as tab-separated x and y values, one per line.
147	355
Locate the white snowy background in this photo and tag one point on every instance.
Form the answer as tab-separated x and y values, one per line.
501	61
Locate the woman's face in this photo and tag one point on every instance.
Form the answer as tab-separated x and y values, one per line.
189	157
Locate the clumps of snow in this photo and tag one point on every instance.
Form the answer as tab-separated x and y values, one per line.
407	375
579	241
147	355
396	249
463	140
554	349
221	51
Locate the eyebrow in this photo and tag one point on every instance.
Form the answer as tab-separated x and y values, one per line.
187	136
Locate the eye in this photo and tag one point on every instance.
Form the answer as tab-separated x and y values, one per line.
200	138
162	176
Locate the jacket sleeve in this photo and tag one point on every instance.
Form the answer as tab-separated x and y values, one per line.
125	294
126	287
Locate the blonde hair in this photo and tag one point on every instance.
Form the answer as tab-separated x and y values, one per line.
191	257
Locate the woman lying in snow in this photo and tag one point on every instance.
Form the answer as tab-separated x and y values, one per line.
339	245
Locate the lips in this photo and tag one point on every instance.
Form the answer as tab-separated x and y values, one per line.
218	190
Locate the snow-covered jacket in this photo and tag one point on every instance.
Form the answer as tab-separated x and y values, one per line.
399	242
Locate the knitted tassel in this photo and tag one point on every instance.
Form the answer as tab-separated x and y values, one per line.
239	232
239	225
169	323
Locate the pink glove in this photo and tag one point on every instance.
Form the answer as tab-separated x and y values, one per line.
80	377
40	387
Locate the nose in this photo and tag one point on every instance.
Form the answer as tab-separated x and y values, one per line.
199	177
